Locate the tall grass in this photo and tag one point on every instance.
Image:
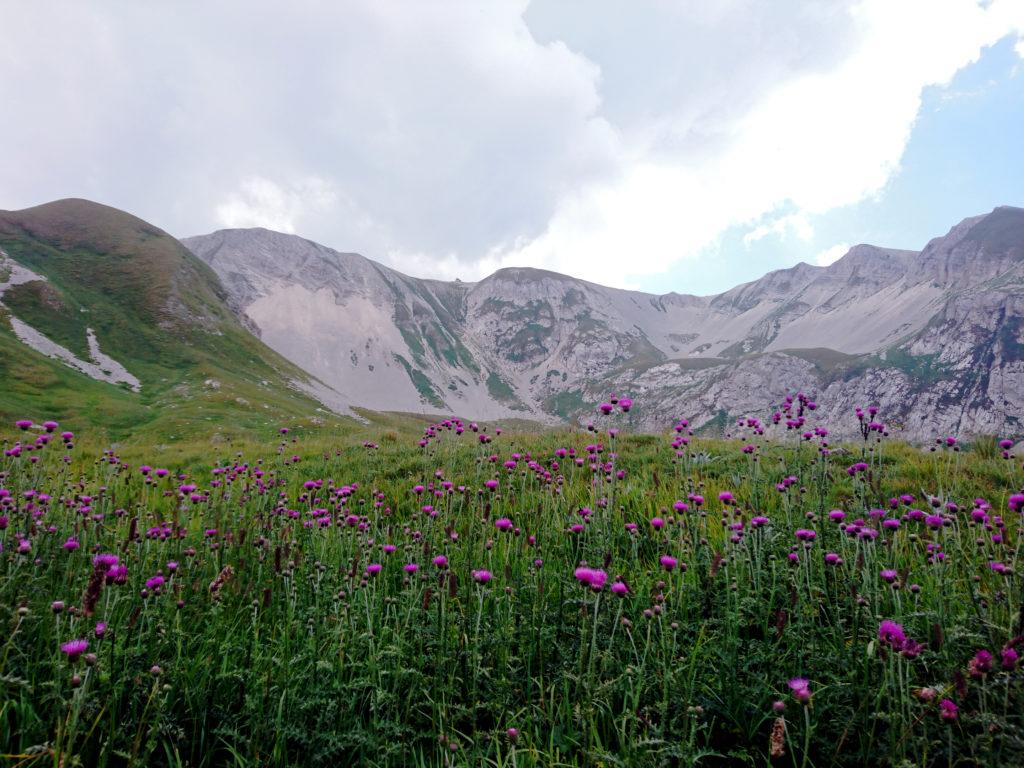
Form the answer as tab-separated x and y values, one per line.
264	637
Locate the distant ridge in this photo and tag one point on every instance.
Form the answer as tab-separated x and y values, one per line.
249	325
530	342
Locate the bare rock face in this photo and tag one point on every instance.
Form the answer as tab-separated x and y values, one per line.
935	338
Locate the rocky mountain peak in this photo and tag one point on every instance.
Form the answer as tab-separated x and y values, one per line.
531	342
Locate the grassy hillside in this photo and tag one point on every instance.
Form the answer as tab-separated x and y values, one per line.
154	308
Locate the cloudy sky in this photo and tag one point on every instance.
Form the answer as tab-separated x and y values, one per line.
661	145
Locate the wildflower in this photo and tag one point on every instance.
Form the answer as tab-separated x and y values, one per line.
759	521
1009	659
503	524
625	404
482	576
621	589
155	582
888	575
23	424
513	734
74	648
806	534
890	633
832	558
980	665
71	544
411	568
592	577
911	649
948	711
800	686
440	561
657	523
668	562
777	746
222	578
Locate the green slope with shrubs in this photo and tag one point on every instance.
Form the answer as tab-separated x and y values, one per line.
155	309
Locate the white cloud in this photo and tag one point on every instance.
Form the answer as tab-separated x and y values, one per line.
831	255
601	139
795	223
259	202
816	141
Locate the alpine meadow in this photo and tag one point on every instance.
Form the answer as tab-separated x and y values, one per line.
525	383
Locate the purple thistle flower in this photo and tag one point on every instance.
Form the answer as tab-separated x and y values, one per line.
481	576
74	648
981	664
592	577
890	633
1008	659
948	710
801	688
155	582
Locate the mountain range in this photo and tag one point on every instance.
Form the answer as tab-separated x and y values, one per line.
934	338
